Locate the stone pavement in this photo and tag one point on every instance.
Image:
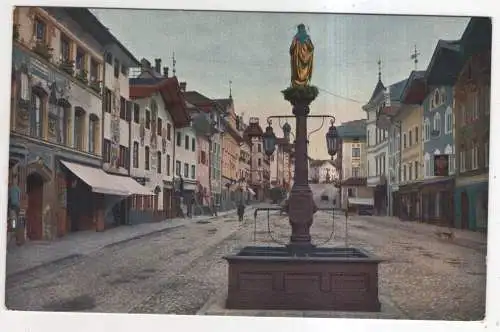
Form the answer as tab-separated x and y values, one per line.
35	254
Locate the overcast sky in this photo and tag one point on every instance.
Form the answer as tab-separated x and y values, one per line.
251	50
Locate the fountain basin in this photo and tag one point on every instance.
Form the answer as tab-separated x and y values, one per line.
323	278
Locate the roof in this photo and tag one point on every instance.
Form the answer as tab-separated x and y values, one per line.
253	130
170	93
352	129
97	30
395	90
353	181
224	102
414	91
197	98
445	64
378	88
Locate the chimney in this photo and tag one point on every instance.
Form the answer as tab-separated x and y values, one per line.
165	72
158	66
145	64
183	86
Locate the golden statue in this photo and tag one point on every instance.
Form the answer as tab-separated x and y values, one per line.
301	57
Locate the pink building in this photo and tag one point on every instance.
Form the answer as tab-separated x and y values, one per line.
203	176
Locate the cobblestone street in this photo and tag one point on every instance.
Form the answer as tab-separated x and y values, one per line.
176	271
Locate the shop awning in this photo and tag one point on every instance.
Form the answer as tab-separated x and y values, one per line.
360	201
97	179
104	183
134	187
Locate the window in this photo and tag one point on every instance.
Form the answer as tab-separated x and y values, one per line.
106	151
428	168
146	158
416	170
186	142
168	165
203	157
451	165
404	173
169	131
63	124
462	161
178	139
148	119
159	127
80	59
356	152
177	168
79	125
135	155
475	156
410	141
123	159
427	130
137	110
416	135
259	148
93	133
355	172
94	70
41	30
109	58
410	173
193	172
437	124
124	70
193	144
351	192
117	68
65	48
259	162
158	162
186	170
404	140
448	121
486	154
123	108
108	100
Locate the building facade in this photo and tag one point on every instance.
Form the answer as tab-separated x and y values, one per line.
56	150
231	141
159	114
323	171
472	122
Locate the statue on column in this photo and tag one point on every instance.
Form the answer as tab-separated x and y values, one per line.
301	57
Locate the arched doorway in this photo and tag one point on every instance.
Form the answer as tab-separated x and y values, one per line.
34	189
464	206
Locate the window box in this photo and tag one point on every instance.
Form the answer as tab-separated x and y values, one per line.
67	66
96	86
43	50
82	76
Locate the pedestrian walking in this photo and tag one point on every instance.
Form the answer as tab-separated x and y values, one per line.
241	211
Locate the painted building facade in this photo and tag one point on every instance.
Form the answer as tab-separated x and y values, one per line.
57	122
472	123
159	112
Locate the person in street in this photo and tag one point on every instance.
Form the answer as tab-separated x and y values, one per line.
241	211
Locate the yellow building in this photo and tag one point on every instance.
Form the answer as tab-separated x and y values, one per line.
231	140
409	117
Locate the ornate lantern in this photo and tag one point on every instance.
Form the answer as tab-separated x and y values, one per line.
269	140
332	140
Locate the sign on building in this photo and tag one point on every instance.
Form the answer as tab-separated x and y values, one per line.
441	165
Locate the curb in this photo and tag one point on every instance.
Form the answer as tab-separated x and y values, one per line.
42	265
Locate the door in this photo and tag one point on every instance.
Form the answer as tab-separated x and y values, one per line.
464	206
34	184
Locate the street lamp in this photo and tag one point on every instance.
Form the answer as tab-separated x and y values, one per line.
269	139
332	140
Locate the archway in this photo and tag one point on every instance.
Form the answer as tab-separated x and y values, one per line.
464	205
34	213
